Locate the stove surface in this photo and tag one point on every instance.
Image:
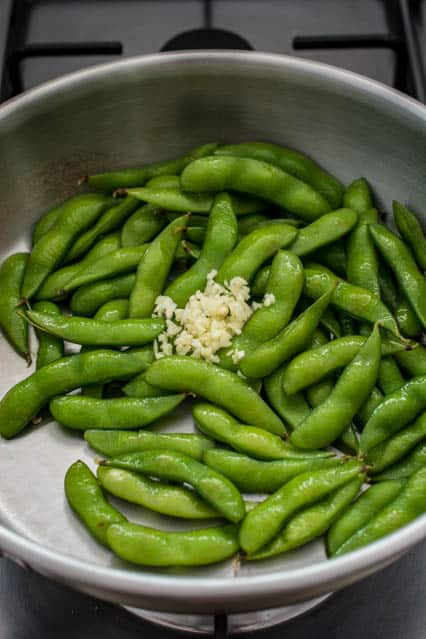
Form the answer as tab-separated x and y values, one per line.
52	37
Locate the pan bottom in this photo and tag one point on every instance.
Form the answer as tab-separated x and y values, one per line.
232	624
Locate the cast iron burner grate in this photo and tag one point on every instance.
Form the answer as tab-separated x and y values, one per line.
409	75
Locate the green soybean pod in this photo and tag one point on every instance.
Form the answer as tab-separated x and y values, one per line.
142	226
389	377
362	267
370	502
325	230
252	222
220	173
154	268
196	234
87	500
408	322
311	522
265	521
13	324
293	162
256	442
117	442
368	408
355	300
331	418
164	182
285	285
221	237
87	299
221	387
78	214
260	281
413	361
396	411
409	503
25	400
256	476
123	260
291	340
392	449
174	501
292	409
108	182
83	330
81	412
333	256
312	366
50	347
151	547
53	286
411	231
187	251
216	489
358	196
254	249
399	259
109	221
109	312
45	222
139	387
407	466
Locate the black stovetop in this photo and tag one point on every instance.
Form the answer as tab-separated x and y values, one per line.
383	39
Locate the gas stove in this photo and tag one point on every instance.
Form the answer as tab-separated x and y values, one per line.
382	39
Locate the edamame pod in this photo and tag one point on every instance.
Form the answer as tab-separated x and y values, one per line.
361	512
142	226
331	418
139	387
362	266
117	442
221	237
221	387
109	221
154	268
82	330
389	377
368	408
391	450
315	364
358	196
53	286
396	411
400	260
87	500
285	284
255	476
80	412
46	221
174	501
311	522
13	324
151	547
411	231
292	409
78	214
409	503
25	400
50	347
265	521
254	249
413	361
293	162
406	466
333	256
111	265
256	442
87	299
216	489
164	182
220	173
108	182
356	301
292	339
325	230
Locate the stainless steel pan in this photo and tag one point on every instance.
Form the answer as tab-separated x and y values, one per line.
146	109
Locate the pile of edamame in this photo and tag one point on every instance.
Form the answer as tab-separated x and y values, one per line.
322	416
